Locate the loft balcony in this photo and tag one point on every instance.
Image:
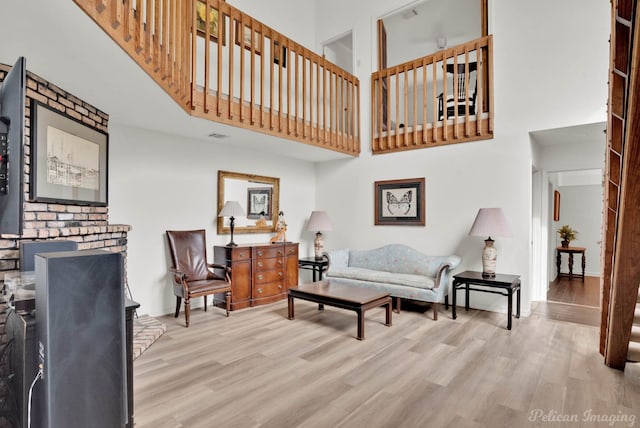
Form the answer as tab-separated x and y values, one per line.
439	99
235	70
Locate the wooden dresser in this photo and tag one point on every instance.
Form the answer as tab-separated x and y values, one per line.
260	273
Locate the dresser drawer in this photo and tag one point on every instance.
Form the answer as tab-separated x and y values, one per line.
268	289
268	252
291	250
240	253
268	276
260	265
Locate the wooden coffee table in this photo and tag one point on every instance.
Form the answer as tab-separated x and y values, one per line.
354	298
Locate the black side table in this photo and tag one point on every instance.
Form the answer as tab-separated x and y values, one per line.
318	266
506	285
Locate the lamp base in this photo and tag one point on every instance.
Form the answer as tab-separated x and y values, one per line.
232	244
318	245
489	258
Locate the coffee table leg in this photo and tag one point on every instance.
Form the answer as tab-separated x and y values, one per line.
290	304
360	313
389	310
518	302
320	307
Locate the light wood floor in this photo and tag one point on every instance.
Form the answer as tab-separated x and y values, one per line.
575	291
259	369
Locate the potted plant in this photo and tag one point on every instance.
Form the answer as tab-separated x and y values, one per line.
567	234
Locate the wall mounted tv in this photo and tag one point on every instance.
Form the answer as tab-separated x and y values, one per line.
12	108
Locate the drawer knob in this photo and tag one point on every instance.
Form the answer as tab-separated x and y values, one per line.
280	286
241	254
259	264
279	252
260	277
280	274
280	262
259	253
260	290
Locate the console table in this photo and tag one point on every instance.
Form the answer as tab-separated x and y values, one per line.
571	251
505	284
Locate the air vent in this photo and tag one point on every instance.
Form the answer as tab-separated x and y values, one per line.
216	135
410	14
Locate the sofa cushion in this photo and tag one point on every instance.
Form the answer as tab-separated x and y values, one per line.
362	274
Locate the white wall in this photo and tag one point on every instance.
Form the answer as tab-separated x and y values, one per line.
160	181
531	44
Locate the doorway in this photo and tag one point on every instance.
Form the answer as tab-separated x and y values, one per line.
567	189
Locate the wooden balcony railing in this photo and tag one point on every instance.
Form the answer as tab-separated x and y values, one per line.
413	104
235	70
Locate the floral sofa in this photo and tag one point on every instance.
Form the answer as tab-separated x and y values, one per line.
397	269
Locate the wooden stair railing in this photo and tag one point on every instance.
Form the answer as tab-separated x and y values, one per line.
407	112
241	73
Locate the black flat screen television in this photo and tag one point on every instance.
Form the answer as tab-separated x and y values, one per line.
12	108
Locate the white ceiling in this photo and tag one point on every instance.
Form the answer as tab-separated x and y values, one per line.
64	46
587	134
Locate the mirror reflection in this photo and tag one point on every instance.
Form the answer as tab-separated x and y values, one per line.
257	195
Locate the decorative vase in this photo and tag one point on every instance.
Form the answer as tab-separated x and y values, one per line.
564	244
489	258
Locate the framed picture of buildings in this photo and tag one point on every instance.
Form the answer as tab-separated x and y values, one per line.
68	159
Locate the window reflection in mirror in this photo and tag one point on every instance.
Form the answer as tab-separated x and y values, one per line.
256	195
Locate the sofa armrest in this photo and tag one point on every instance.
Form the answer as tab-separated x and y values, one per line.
443	276
338	259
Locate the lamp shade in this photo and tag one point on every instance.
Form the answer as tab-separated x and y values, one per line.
490	222
319	222
231	209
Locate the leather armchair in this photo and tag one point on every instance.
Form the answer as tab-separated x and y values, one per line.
192	275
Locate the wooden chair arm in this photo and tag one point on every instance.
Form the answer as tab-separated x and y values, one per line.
226	269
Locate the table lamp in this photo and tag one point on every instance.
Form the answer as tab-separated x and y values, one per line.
231	209
319	222
490	222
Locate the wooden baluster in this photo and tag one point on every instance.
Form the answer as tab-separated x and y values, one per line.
240	36
289	91
466	91
156	35
318	80
424	101
357	89
231	49
489	91
139	25
312	92
274	50
304	95
295	93
388	109
405	91
164	41
262	78
194	63
100	6
296	83
116	13
434	98
148	31
219	50
444	98
172	42
207	62
252	60
456	95
331	108
415	104
271	79
376	112
480	102
397	125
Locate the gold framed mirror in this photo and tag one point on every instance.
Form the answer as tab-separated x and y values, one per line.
255	194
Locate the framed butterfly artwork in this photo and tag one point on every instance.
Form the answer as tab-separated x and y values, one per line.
259	202
400	202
